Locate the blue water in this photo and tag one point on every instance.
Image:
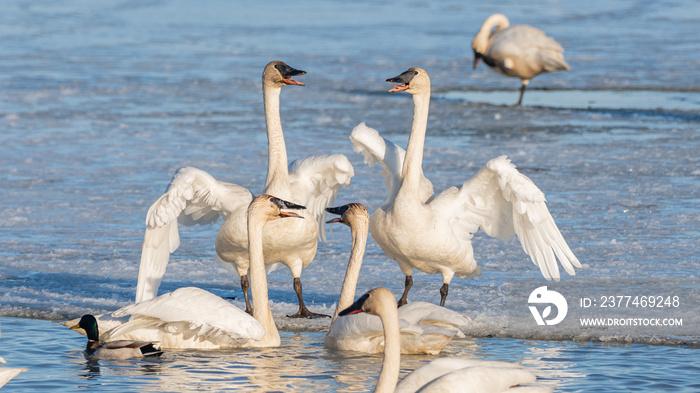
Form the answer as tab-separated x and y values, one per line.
100	103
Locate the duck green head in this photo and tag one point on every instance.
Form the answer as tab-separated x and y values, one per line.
89	324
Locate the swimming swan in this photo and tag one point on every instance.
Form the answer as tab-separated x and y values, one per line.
519	51
195	197
192	318
441	375
425	327
432	232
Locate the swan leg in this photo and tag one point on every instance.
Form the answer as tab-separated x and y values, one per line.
303	311
443	293
245	285
407	287
522	92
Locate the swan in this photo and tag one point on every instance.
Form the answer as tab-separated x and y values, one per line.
192	318
121	349
7	373
425	327
440	375
519	51
432	232
195	197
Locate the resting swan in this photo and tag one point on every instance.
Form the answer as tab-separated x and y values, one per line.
432	232
440	375
519	51
425	327
195	197
7	373
192	318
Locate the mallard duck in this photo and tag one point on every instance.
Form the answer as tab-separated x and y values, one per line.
122	349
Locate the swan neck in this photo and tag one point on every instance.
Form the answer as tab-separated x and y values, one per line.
258	282
391	363
413	164
277	181
482	40
347	293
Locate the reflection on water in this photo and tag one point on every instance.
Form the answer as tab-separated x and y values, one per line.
55	360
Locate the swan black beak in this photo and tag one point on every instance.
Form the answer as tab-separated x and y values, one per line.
356	307
282	204
288	72
477	57
404	79
339	210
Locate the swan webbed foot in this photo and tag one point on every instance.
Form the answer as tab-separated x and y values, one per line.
303	311
407	287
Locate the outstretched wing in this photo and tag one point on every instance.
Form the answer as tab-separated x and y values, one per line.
193	197
390	156
315	182
504	202
190	311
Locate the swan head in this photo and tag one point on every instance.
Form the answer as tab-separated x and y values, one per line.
414	80
350	214
272	208
278	74
372	302
481	41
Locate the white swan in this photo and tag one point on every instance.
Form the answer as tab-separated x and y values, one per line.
425	327
7	373
192	318
432	233
520	51
195	197
441	375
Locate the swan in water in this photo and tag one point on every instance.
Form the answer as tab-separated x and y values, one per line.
440	375
425	327
192	318
7	373
432	232
519	51
195	197
121	349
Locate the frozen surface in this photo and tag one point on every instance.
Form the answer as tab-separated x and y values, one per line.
100	103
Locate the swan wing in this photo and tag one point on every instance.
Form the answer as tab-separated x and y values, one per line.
503	202
315	182
376	149
193	197
190	311
442	366
480	379
428	314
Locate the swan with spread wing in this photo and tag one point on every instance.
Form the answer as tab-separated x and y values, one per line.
195	197
432	232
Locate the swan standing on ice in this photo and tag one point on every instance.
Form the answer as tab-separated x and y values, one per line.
195	197
441	375
519	51
432	233
192	318
425	327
